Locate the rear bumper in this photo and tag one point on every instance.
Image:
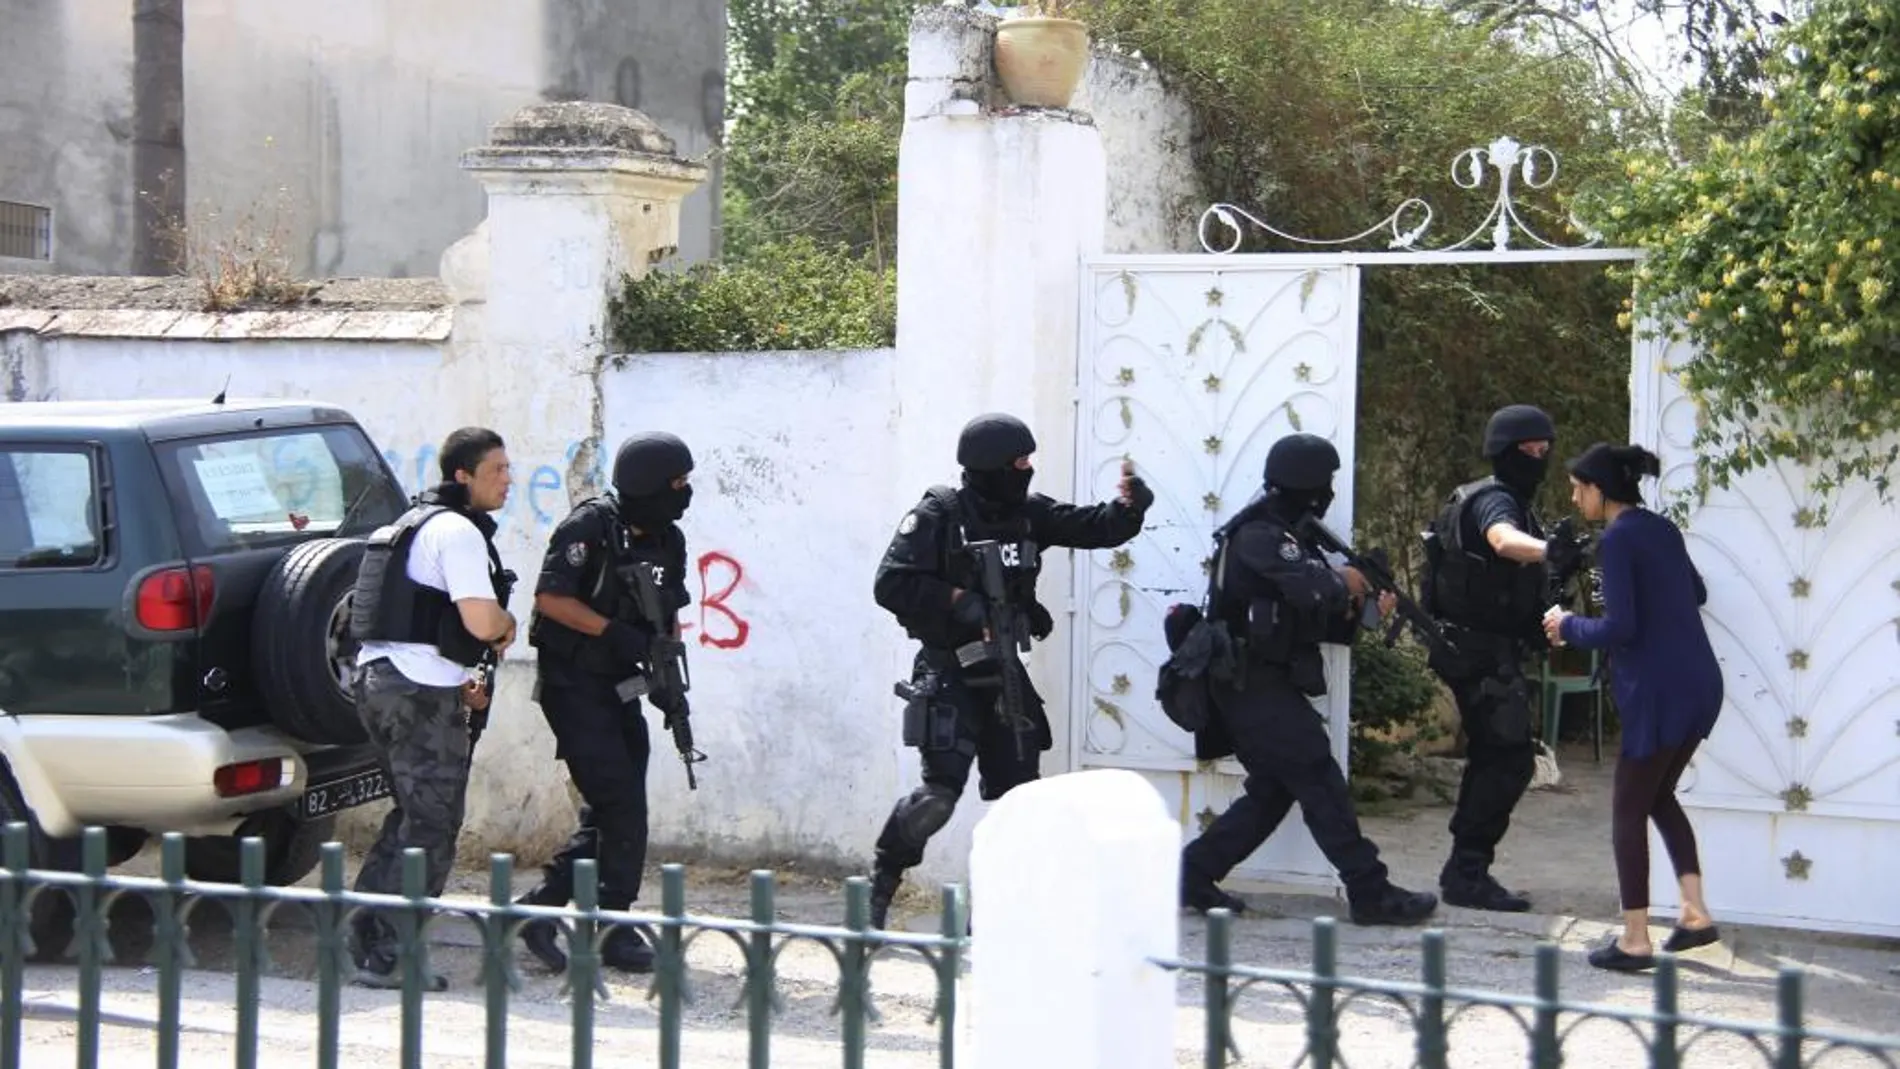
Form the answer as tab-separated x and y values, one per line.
155	773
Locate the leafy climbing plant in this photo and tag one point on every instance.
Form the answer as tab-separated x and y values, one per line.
1775	255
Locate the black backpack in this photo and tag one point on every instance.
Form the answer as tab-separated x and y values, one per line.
1201	652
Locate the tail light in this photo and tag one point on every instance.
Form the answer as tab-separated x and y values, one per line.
176	599
250	777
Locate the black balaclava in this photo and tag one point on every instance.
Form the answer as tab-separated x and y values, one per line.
1520	471
1509	426
644	470
988	449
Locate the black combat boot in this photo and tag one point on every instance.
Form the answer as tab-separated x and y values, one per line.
1395	905
1467	881
539	936
884	884
1201	894
627	950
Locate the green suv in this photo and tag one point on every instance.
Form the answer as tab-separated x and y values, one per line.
175	582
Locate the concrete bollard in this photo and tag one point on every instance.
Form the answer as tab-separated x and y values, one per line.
1075	889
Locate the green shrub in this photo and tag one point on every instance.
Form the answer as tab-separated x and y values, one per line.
792	294
1392	689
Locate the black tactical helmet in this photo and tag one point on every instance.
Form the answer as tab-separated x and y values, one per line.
1301	462
993	441
648	463
1517	423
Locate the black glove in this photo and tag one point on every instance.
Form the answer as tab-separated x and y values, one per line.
629	643
1563	550
971	609
1139	494
1040	622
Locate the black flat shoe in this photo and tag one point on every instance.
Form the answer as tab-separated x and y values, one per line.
1616	959
1681	939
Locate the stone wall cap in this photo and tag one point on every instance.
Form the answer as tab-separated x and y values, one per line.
581	124
950	17
58	293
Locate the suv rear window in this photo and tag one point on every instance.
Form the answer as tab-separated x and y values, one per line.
277	487
49	510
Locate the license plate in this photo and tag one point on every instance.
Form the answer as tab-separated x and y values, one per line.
323	799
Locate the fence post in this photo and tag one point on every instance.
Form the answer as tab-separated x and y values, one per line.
1076	880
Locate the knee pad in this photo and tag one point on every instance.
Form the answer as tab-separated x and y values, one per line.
924	812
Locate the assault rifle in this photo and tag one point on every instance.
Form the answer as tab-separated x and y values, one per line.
1378	572
667	678
1007	631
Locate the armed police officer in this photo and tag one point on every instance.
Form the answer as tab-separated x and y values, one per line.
960	576
1487	582
596	648
431	603
1280	599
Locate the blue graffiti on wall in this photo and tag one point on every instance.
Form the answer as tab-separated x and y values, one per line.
539	498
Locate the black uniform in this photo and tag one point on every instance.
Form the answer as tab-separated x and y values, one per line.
958	719
1491	610
599	731
1280	599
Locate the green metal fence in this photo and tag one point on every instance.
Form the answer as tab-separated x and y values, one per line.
1322	997
173	901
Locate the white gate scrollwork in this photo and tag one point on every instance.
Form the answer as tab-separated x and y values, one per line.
1193	374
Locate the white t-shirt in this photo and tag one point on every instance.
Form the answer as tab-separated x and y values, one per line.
449	555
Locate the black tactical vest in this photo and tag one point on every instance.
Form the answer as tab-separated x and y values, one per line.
601	590
391	607
1022	558
1471	586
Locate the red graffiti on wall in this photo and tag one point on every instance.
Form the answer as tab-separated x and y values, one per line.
713	595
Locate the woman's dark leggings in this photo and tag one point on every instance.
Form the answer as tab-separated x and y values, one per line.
1645	791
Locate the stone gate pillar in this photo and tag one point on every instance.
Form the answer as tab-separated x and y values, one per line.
996	207
579	195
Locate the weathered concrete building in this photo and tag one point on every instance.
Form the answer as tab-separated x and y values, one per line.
330	129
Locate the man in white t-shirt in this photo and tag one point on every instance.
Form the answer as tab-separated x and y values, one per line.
431	603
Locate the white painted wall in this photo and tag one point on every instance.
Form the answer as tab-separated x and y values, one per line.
792	661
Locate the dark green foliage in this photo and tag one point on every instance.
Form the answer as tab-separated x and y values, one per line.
796	294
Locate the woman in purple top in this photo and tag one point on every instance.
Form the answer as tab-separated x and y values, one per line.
1666	682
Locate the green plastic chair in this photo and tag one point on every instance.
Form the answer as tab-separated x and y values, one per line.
1556	686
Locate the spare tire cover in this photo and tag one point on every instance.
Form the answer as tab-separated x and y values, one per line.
301	650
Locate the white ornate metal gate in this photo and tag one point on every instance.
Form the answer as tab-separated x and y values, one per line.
1193	366
1796	796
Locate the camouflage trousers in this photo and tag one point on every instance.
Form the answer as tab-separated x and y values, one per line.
422	741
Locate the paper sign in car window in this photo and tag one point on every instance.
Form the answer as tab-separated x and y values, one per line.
236	487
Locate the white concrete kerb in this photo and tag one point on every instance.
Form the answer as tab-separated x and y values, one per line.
1078	880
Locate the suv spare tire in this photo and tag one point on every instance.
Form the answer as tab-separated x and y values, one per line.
301	649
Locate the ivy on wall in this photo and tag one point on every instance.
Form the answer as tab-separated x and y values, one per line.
1774	254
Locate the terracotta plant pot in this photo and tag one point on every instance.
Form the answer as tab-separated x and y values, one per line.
1041	60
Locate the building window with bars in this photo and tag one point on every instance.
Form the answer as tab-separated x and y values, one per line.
26	231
